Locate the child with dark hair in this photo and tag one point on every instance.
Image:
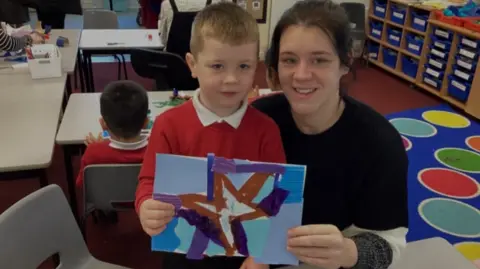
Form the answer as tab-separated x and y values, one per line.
124	113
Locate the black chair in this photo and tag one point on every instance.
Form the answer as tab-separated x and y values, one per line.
168	70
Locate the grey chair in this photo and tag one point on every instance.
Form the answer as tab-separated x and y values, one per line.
105	19
357	16
39	226
108	188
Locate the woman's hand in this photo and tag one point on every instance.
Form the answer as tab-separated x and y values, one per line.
37	38
322	246
250	263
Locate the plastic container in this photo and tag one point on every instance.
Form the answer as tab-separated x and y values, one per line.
398	14
414	44
390	57
419	21
458	88
442	33
438	53
373	50
463	74
468	42
431	81
45	67
468	52
376	29
441	44
437	63
380	8
409	66
394	37
466	63
433	72
472	24
452	20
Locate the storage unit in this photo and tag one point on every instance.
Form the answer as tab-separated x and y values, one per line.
443	59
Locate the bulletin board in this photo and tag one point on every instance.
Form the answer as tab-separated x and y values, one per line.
258	8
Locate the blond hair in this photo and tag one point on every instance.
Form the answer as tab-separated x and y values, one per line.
226	22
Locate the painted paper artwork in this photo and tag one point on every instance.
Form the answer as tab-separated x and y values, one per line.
229	207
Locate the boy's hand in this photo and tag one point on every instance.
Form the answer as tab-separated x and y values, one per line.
90	139
155	215
250	263
37	38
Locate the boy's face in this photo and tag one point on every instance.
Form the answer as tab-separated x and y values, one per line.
225	74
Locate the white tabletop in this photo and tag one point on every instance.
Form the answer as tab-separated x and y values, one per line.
433	253
69	52
29	114
83	111
119	39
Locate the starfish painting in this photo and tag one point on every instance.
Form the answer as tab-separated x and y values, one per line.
236	210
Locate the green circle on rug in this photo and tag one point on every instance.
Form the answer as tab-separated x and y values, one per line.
451	217
460	159
413	127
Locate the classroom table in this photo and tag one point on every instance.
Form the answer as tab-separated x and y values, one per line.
29	114
81	117
432	253
113	42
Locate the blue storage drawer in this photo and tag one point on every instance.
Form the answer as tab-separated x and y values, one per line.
445	34
414	44
380	8
433	72
441	44
439	64
438	53
390	57
409	66
419	21
373	50
458	88
431	81
468	52
376	29
394	36
466	63
397	14
468	42
465	75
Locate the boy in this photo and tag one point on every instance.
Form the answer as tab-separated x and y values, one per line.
124	110
218	119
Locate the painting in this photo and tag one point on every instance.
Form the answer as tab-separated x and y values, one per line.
229	207
257	8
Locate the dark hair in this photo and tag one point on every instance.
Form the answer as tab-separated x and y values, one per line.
124	107
268	63
323	14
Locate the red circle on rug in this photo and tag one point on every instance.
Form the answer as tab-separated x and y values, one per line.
449	183
406	143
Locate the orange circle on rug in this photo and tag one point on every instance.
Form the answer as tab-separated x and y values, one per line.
449	183
473	142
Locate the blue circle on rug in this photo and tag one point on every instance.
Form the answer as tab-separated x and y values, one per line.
451	217
414	127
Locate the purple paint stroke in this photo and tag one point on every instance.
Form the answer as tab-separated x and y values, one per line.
198	246
276	181
273	202
240	237
204	224
224	166
168	198
210	176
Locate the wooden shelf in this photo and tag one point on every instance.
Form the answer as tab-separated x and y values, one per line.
472	105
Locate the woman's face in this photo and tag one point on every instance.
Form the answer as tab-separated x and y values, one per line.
309	69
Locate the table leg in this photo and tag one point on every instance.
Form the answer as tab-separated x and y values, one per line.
111	5
72	192
68	87
90	74
42	177
80	71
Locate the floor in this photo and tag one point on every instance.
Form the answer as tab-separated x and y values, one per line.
125	243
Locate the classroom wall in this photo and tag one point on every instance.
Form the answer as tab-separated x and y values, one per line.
264	29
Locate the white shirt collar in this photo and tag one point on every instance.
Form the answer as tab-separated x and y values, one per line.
208	118
129	145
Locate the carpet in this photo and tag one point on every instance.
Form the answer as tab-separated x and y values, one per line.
444	173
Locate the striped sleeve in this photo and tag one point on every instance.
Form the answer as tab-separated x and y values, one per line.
10	43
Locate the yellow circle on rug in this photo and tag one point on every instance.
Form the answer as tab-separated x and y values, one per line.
471	250
446	119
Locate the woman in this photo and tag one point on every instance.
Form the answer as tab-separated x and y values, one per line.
11	43
355	199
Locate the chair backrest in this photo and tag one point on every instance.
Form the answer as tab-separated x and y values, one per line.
100	19
38	226
169	70
178	41
356	14
110	187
